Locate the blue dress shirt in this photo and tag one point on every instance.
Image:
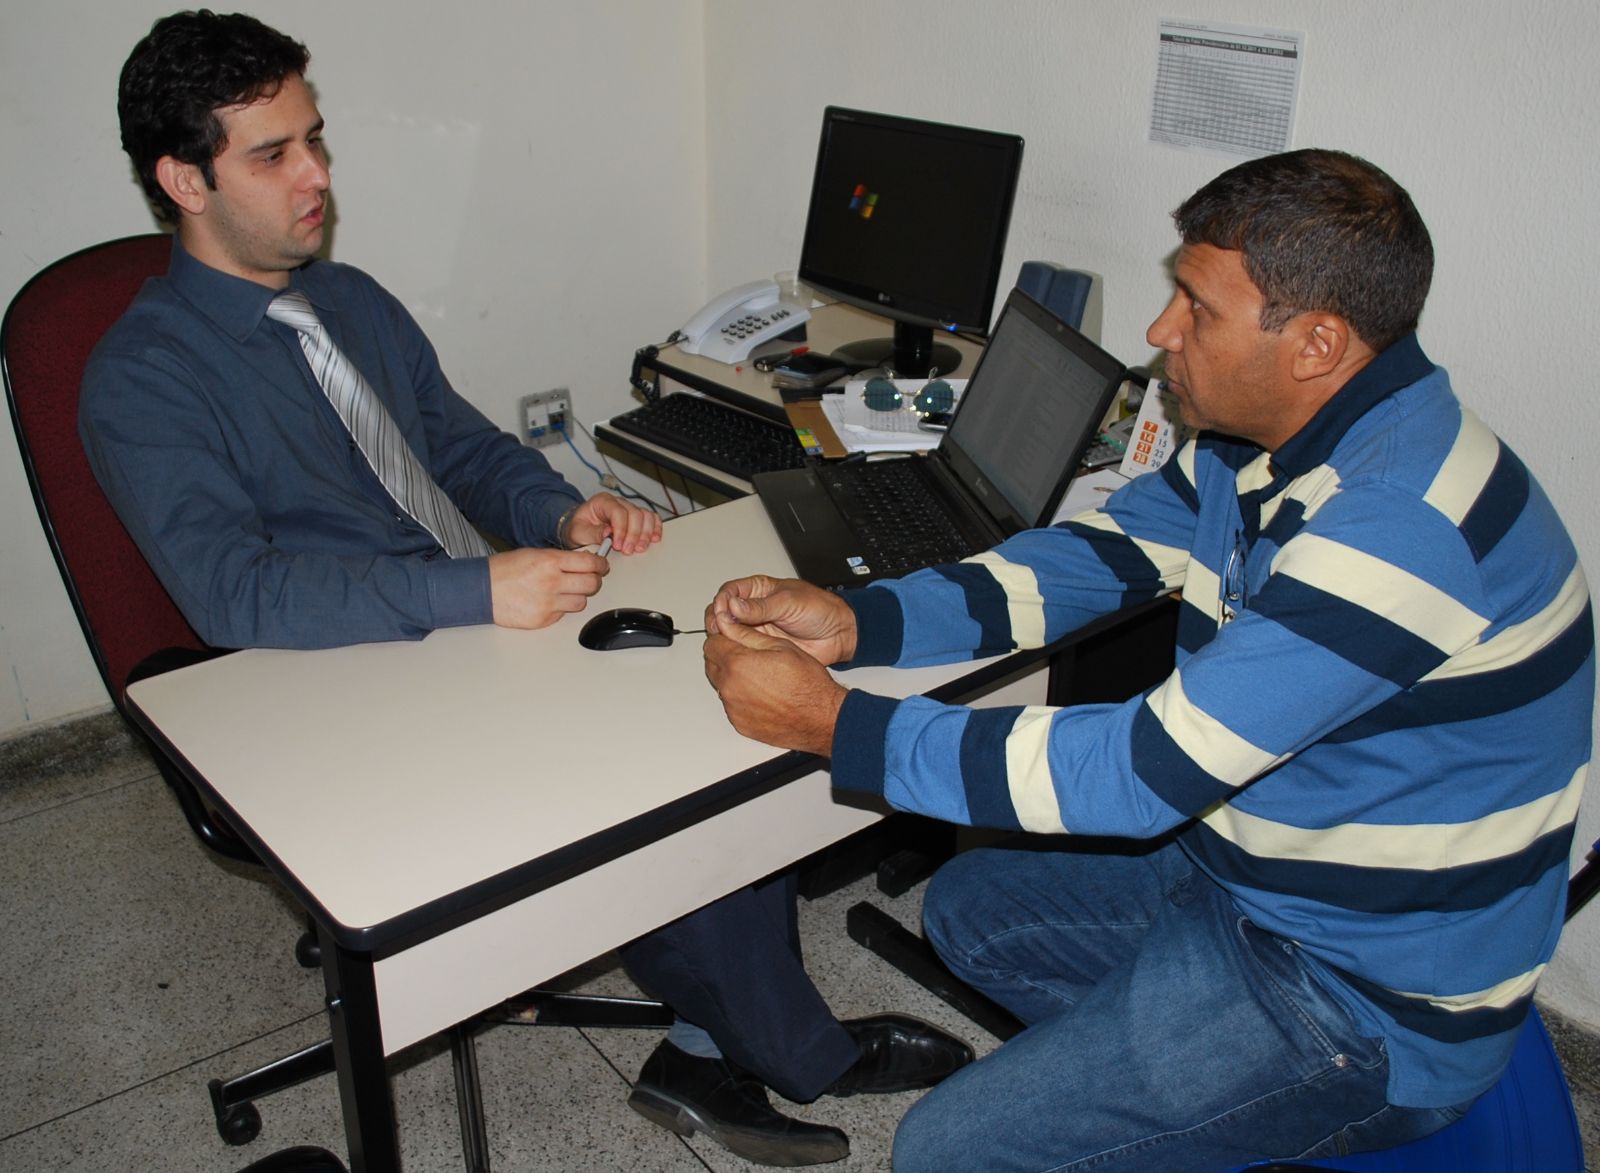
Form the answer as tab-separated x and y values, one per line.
245	492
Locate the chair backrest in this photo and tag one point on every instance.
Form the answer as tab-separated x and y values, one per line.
1062	291
52	325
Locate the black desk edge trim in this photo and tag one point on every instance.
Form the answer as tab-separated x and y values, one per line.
556	867
763	407
655	455
235	823
493	893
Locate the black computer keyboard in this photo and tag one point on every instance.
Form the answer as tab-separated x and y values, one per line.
893	511
714	434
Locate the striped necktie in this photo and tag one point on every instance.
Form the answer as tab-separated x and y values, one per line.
375	432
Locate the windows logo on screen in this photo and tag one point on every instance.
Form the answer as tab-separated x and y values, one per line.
863	201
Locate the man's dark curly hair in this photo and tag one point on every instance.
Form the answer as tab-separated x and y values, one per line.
189	66
1320	230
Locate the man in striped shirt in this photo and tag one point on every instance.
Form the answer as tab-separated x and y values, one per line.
1329	850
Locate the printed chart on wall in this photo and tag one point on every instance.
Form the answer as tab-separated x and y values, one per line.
1225	87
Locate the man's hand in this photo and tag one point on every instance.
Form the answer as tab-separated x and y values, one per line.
632	530
534	588
819	623
772	690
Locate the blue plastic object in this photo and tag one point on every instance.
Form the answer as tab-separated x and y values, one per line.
1062	291
1523	1124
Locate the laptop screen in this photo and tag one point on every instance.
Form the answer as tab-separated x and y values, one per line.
1038	383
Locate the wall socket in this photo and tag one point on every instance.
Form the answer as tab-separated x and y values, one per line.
545	417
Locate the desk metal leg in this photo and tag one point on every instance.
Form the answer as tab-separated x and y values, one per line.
469	1098
369	1121
870	926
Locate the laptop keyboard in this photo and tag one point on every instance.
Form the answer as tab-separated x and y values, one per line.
894	513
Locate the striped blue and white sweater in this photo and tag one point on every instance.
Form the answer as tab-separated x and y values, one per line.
1376	734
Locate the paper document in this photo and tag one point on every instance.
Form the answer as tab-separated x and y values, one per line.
860	429
1225	87
1088	491
1158	432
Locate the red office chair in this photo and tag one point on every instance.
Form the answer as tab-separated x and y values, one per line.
126	615
134	629
132	626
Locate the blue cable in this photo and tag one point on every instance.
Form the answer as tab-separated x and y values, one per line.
601	477
567	436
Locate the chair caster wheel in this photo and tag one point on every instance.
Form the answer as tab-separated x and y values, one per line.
307	951
237	1124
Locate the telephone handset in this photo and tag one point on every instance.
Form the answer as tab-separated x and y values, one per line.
736	322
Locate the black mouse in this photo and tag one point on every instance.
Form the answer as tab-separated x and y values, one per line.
627	627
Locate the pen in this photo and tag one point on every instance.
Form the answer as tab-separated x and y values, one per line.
768	361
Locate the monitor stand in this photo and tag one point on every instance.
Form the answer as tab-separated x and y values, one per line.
911	353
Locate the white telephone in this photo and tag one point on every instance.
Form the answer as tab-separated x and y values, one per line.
736	322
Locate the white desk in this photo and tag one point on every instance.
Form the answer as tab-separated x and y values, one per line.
830	327
740	384
477	812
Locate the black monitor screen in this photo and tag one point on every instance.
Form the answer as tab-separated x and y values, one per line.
909	218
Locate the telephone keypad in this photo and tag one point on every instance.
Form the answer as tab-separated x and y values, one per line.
753	323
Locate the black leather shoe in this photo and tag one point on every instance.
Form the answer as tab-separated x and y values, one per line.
899	1053
688	1094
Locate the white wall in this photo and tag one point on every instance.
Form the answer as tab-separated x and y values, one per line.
529	181
554	159
1484	110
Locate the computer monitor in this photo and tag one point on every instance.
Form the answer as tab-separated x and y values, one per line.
908	219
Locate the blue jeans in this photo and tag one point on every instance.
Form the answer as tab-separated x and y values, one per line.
1166	1032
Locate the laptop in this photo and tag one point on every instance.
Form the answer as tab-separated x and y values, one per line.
1031	408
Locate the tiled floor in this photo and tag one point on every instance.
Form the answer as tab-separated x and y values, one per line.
136	968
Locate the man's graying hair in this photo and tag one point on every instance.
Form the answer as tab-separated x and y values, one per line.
1320	231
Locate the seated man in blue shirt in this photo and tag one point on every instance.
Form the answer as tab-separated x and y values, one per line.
1344	818
276	434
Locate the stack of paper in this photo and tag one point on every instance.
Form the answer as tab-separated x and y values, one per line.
860	429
